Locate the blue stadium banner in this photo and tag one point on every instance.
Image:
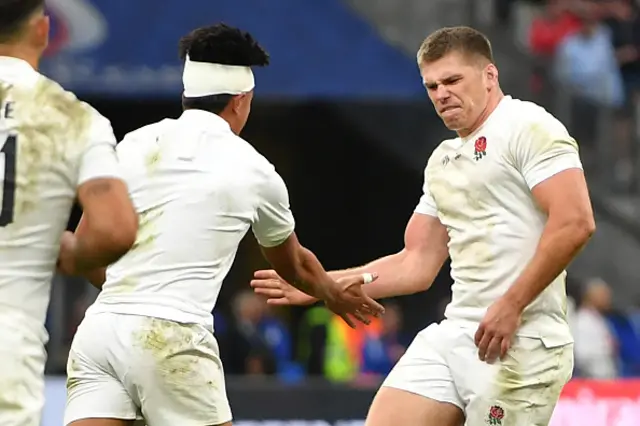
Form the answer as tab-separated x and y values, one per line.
127	48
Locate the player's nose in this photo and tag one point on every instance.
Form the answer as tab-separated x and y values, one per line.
442	93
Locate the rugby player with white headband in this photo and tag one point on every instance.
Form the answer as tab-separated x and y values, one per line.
146	348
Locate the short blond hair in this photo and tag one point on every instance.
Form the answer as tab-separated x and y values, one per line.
465	40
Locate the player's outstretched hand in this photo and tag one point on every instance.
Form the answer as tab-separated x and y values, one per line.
349	299
345	298
496	330
278	292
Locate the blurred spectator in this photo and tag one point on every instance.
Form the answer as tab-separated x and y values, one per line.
550	29
256	343
545	35
628	340
624	21
587	65
383	346
328	346
595	344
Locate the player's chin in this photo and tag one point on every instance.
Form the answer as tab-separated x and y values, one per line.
453	124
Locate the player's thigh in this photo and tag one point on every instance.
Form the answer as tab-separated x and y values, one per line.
420	389
22	360
179	375
521	390
95	394
393	406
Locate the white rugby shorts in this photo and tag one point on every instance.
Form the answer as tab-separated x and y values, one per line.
137	367
442	364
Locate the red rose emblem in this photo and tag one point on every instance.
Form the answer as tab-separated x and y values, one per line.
495	411
481	144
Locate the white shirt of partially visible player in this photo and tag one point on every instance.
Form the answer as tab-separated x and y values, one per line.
57	144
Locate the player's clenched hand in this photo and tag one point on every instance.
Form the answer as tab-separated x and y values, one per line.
278	292
348	298
496	330
66	258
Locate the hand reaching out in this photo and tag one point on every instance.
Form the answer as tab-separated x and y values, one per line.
344	299
279	292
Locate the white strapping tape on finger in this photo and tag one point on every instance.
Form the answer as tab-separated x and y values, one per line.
207	79
367	277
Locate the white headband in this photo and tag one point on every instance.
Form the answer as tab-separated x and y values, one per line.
207	79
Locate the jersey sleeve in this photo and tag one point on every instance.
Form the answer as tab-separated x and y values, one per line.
544	149
427	204
99	159
273	222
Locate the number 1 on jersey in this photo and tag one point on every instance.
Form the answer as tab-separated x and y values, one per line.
9	151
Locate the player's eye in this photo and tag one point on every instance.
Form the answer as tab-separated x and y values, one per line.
452	81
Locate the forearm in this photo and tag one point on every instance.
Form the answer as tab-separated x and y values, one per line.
95	250
558	246
307	274
399	274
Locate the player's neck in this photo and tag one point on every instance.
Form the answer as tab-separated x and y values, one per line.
21	52
494	101
236	128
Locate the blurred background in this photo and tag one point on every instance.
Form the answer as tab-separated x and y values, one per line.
342	114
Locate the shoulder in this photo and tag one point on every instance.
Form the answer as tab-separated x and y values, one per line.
150	132
58	113
57	105
249	156
524	118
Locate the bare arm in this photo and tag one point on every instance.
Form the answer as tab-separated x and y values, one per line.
109	223
299	266
570	224
413	269
96	276
409	271
108	227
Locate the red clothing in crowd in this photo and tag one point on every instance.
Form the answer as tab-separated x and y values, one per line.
546	34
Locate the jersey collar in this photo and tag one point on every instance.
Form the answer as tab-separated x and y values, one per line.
206	117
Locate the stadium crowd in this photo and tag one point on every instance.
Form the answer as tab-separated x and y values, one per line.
590	51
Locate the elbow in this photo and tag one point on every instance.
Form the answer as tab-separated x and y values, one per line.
582	228
423	283
586	227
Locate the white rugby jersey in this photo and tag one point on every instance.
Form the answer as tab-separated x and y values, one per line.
480	189
50	143
198	188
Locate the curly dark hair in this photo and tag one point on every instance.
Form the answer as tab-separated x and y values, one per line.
220	44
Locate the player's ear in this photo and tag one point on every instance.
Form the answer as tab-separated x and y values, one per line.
236	103
40	26
491	76
241	102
